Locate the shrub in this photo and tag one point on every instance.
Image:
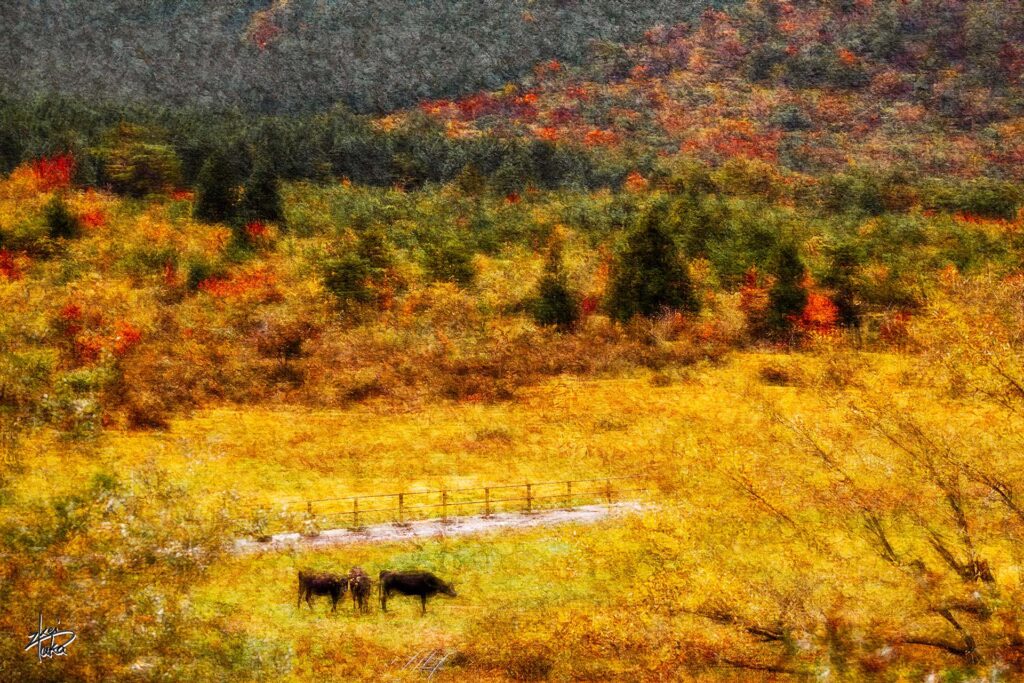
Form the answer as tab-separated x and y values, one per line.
450	261
346	277
136	168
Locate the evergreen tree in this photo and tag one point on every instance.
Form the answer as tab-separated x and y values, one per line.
261	196
60	222
556	305
650	276
840	278
788	296
216	189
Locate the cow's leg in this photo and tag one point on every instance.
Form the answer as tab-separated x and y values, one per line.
383	601
423	604
309	599
298	603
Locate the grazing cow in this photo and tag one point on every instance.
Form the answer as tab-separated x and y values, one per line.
321	583
359	585
423	584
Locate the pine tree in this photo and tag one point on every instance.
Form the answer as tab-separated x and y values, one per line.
556	305
788	296
261	197
60	222
216	189
840	278
650	276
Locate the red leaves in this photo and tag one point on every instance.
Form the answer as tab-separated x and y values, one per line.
9	268
636	182
86	336
87	348
264	33
597	137
70	319
256	230
259	283
94	218
820	315
846	57
126	337
53	173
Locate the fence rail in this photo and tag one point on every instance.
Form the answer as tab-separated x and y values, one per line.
310	516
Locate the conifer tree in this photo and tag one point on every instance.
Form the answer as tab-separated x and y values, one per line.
788	296
650	277
216	189
261	196
556	305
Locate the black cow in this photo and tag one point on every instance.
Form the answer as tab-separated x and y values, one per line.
423	584
321	583
359	585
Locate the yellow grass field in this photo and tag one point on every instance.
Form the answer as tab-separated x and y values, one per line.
680	590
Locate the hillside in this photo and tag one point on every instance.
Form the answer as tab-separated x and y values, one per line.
935	88
292	55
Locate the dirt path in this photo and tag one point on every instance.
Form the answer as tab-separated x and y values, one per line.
455	526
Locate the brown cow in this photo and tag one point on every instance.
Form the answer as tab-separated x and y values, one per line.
359	585
321	583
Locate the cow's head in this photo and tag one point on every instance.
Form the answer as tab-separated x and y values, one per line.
449	590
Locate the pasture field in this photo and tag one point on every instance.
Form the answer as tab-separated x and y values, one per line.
724	575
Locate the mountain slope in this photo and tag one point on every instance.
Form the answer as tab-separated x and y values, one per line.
292	55
813	85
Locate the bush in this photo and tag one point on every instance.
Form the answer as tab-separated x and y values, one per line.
346	278
451	261
136	163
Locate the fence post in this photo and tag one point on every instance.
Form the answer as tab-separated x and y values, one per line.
355	513
568	494
444	505
487	502
608	490
529	498
401	508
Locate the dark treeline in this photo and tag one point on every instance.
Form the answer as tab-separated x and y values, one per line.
333	144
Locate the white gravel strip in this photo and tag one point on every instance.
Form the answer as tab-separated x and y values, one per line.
427	528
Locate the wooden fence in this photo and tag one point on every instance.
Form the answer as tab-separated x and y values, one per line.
354	512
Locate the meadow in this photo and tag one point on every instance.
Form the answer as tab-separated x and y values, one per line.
751	533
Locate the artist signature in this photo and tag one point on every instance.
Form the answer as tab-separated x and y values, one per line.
50	641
